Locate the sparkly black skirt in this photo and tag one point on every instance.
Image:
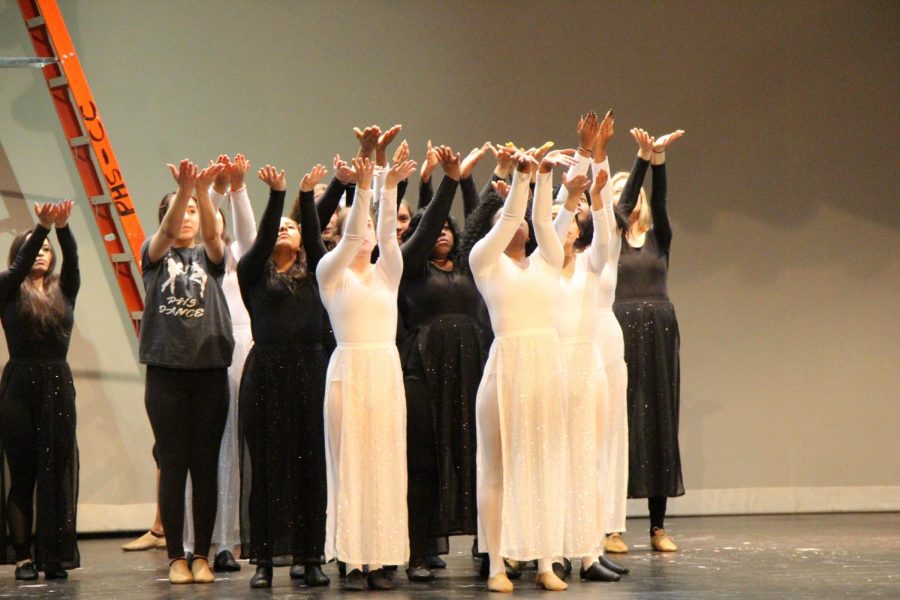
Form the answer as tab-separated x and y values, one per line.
650	330
448	353
283	485
37	415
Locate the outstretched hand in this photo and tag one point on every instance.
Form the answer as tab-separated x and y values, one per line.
398	172
430	162
365	171
309	181
663	142
64	211
525	161
207	176
220	184
449	162
468	163
557	158
237	172
401	153
46	213
368	140
501	187
596	187
576	185
185	174
588	126
645	142
273	178
604	134
344	172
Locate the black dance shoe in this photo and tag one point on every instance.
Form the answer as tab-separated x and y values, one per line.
418	571
598	573
225	562
614	567
55	571
355	582
298	571
342	569
559	570
379	580
435	562
27	572
314	576
262	578
513	568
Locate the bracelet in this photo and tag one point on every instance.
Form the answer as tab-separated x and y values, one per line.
580	149
663	151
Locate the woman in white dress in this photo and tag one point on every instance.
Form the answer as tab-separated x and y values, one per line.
365	405
519	409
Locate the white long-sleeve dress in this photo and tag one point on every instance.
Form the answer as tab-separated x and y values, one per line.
227	533
365	405
521	379
582	365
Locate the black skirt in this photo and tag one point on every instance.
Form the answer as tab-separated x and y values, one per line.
44	390
650	330
283	484
448	353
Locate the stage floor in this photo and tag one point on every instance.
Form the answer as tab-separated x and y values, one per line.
781	556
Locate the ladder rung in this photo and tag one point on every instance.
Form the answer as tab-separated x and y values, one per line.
137	315
81	140
35	22
100	200
58	82
121	257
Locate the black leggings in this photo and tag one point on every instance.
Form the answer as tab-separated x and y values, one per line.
187	410
657	506
421	465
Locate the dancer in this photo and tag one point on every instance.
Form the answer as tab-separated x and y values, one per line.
365	408
520	415
282	388
37	399
651	338
186	343
229	187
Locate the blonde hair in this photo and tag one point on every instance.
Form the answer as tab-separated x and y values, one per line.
645	216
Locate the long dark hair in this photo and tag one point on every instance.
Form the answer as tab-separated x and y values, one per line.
44	309
294	277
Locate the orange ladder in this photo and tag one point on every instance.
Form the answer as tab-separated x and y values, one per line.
92	151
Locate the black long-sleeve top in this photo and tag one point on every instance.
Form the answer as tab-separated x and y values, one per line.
643	272
470	195
24	337
284	313
426	290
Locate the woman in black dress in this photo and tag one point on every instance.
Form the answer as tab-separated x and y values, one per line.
281	410
651	336
443	355
37	400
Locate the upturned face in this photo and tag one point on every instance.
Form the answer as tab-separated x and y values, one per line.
288	235
444	245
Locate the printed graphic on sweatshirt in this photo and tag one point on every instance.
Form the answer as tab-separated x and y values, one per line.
183	289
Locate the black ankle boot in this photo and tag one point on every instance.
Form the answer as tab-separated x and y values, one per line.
55	571
298	571
598	573
27	572
379	580
435	562
225	562
314	575
354	582
614	567
418	571
262	578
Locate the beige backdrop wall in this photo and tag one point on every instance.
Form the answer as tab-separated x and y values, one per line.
782	194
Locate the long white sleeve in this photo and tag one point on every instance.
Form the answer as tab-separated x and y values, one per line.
599	250
216	198
332	265
378	185
243	224
562	222
548	243
614	240
390	260
581	166
488	249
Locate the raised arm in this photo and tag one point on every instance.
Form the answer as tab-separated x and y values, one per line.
426	190
417	249
243	223
487	250
661	226
629	196
69	273
574	188
587	132
466	183
549	245
332	265
253	263
328	203
218	193
212	241
170	227
310	231
599	252
21	265
390	259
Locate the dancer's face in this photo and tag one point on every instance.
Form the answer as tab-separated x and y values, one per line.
190	224
42	263
403	217
444	245
288	235
369	240
331	227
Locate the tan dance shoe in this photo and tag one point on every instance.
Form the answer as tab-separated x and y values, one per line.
200	570
661	542
500	583
179	572
148	541
550	582
615	544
